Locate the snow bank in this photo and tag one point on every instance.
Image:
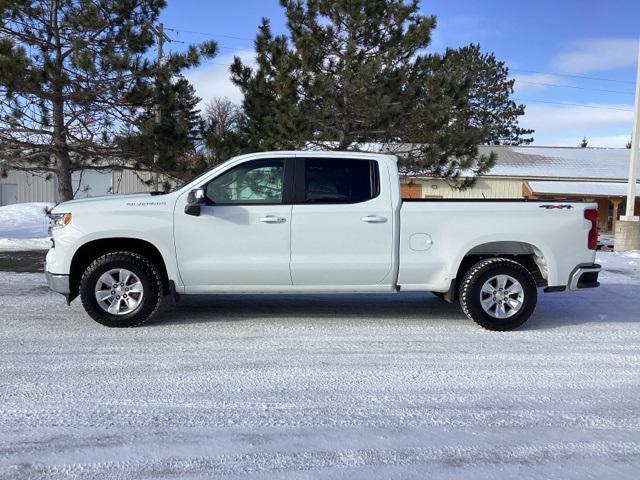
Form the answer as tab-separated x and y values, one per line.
620	258
24	221
22	244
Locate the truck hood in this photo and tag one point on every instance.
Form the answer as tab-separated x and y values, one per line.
107	201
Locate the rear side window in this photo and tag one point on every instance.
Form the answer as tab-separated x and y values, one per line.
328	180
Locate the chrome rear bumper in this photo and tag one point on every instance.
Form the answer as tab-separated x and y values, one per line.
584	276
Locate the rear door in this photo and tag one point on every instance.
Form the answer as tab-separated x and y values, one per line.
342	226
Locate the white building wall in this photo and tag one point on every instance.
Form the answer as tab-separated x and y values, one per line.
32	187
129	181
38	188
484	187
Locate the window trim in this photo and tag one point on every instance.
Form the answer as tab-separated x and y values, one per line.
287	183
299	182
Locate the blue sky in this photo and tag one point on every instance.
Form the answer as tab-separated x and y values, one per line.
563	54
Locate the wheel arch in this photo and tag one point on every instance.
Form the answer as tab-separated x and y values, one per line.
529	255
93	249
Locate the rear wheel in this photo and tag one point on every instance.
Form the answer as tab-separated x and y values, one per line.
121	289
498	294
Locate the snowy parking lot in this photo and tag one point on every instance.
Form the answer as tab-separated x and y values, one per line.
398	386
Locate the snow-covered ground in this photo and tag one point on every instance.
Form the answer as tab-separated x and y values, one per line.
359	387
23	226
23	244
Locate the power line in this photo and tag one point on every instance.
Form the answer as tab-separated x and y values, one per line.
217	63
571	76
572	86
211	34
567	104
208	34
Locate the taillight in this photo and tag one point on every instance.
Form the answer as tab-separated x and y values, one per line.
591	214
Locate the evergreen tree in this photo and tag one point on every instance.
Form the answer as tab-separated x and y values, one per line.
73	73
175	139
489	92
355	59
272	116
440	137
355	71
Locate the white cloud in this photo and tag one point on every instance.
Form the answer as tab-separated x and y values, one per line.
536	81
602	141
596	54
609	125
558	118
212	79
458	30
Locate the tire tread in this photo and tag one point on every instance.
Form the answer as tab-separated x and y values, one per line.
466	288
119	256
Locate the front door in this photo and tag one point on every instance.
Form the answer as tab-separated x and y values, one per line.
342	227
242	236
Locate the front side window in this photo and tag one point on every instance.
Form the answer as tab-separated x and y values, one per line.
257	182
329	180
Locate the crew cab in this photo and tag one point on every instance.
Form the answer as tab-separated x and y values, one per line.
316	222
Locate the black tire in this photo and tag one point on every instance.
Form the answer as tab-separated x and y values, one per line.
144	269
473	281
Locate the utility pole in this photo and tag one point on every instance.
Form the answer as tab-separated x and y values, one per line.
635	147
627	234
161	37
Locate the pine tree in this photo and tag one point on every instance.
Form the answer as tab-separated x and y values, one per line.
440	137
74	73
272	117
355	71
178	136
489	95
355	59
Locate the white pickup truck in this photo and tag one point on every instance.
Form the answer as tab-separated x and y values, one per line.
316	222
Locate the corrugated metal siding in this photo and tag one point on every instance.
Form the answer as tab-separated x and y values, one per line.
36	188
32	188
128	181
483	188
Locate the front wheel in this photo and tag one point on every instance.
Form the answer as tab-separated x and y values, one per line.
121	289
498	294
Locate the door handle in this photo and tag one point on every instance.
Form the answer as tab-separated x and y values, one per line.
272	219
374	219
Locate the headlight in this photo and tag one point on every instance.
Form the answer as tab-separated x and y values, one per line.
58	220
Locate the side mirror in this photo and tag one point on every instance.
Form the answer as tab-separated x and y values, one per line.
195	200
